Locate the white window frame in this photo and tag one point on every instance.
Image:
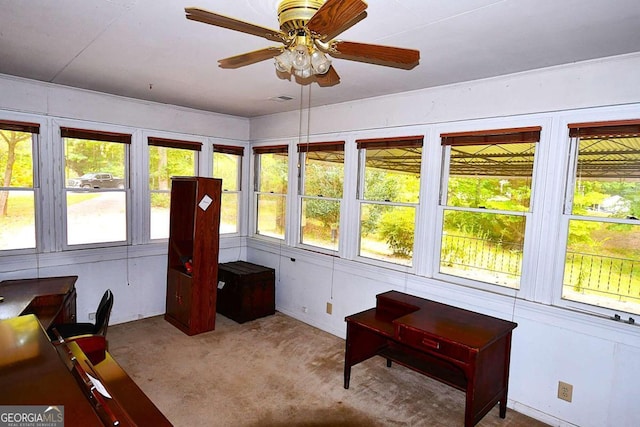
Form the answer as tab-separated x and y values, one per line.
237	151
303	149
257	152
530	215
35	188
63	190
361	201
172	142
566	215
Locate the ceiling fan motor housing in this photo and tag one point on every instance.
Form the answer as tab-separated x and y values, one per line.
293	15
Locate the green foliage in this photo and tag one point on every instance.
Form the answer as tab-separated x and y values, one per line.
325	211
397	227
16	147
379	186
165	162
160	200
323	179
274	173
507	230
226	167
86	156
490	192
581	235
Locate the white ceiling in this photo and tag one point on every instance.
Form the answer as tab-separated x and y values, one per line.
146	49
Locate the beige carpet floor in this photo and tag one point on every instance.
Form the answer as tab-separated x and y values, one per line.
278	371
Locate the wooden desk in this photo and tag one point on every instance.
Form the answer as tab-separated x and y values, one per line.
466	350
34	372
31	373
51	299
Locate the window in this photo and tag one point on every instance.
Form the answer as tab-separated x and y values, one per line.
320	189
167	158
227	165
95	168
17	193
388	193
602	260
271	185
485	201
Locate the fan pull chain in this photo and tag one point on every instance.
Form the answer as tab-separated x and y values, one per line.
300	126
306	157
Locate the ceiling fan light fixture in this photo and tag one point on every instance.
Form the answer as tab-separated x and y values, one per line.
284	61
320	62
307	30
304	74
301	58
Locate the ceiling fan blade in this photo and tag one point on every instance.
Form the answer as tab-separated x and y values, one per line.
375	54
250	57
204	16
330	78
334	16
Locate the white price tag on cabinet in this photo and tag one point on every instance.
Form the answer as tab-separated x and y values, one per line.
221	284
205	202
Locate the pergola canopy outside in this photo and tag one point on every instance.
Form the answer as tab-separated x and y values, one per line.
614	158
600	158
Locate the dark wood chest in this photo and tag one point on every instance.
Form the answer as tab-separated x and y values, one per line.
246	291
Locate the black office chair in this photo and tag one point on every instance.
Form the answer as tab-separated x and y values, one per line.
67	330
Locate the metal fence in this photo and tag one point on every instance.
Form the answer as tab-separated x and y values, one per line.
589	274
475	253
616	278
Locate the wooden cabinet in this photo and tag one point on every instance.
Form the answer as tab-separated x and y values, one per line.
192	268
246	291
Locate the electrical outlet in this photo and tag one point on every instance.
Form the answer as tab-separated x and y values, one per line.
305	309
92	316
565	391
329	308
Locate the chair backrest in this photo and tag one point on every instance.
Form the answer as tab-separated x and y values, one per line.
103	313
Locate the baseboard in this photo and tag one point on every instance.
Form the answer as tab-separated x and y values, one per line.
538	415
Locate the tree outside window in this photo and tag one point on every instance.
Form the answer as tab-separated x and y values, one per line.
271	186
167	158
17	194
321	183
388	194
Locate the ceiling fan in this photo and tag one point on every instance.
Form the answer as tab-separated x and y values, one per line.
307	32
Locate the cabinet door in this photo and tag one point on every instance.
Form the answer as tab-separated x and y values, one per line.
179	297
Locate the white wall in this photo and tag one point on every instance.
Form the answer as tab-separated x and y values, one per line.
30	96
610	81
599	357
136	274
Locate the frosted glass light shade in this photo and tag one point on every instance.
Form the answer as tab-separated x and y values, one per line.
284	61
320	62
301	59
